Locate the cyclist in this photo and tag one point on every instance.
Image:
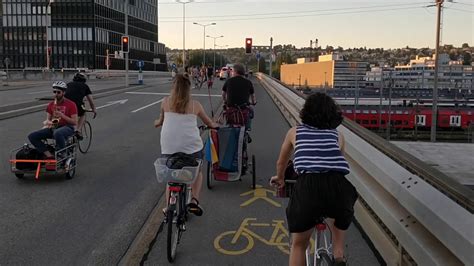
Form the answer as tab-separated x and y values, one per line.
76	91
60	121
180	133
239	92
321	189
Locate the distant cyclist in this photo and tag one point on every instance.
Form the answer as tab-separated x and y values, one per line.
76	91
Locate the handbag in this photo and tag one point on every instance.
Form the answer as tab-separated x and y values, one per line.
180	159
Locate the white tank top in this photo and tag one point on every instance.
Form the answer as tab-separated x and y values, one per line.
180	133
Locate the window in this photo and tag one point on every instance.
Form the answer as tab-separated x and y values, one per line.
420	120
455	120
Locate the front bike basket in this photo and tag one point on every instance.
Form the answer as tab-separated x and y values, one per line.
186	175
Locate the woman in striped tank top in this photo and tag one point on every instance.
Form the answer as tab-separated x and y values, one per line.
321	189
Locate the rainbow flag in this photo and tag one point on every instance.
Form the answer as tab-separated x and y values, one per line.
211	151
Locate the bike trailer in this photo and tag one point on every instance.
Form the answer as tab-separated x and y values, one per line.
224	151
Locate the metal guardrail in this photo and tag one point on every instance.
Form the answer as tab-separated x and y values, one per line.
413	213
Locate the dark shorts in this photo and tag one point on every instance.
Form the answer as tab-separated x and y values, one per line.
80	110
321	195
197	155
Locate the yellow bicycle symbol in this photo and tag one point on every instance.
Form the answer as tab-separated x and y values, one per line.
242	240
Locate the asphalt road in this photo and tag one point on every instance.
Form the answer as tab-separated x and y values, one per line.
33	90
93	218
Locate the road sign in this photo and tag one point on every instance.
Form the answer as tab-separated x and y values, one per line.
140	63
257	55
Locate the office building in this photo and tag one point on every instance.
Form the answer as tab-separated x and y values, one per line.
80	33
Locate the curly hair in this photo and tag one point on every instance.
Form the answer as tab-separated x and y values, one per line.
321	111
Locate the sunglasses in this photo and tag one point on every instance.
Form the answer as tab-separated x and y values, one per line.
57	92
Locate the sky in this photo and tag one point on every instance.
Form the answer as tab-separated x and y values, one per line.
347	23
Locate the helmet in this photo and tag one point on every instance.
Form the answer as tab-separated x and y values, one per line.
59	85
80	77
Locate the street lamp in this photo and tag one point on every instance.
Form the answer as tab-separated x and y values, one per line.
204	39
184	2
48	26
222	46
214	37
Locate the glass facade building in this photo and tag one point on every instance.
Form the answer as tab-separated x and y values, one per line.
80	33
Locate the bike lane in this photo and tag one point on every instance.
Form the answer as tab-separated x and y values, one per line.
242	226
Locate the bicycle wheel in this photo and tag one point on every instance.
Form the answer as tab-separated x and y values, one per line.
86	141
173	232
223	243
324	259
209	175
254	174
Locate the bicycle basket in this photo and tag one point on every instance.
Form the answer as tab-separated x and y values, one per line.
187	174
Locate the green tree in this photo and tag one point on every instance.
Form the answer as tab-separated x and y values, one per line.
465	45
467	58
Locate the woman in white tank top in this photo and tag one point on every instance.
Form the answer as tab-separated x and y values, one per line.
180	133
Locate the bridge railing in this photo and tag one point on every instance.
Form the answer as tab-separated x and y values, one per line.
412	213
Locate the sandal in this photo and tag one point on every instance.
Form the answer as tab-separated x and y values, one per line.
194	207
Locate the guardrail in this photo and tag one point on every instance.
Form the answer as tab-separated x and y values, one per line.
412	213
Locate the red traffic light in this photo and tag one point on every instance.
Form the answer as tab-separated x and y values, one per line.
125	47
248	45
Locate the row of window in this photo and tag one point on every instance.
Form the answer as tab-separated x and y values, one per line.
25	8
146	11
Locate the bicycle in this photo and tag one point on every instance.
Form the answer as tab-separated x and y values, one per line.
179	186
322	247
85	137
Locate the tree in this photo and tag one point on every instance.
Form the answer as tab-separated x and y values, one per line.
465	45
467	58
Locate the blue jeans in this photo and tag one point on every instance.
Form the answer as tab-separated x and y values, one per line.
60	135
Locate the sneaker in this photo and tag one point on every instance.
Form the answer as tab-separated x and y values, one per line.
195	208
78	135
339	262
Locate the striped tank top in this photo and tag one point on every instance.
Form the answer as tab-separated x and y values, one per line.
317	151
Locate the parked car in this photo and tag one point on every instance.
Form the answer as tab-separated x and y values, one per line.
3	75
224	74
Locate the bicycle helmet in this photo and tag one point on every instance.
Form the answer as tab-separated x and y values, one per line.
59	85
79	77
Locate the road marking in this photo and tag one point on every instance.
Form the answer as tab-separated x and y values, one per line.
146	106
38	92
259	193
112	103
166	94
229	242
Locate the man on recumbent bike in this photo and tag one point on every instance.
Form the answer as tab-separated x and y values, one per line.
59	124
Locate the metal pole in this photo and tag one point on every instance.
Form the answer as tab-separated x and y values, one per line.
204	45
325	87
214	64
126	54
184	33
439	4
380	102
271	56
48	21
389	106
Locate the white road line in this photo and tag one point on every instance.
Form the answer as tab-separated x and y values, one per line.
163	93
146	106
38	92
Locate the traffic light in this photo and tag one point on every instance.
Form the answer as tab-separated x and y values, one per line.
248	45
125	41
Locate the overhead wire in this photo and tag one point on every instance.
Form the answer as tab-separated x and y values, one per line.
298	15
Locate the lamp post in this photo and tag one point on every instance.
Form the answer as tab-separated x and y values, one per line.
204	39
48	26
184	2
214	37
222	46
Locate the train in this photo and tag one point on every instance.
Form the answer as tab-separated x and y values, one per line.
411	117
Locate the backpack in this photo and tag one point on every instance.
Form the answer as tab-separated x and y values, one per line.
27	153
180	159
